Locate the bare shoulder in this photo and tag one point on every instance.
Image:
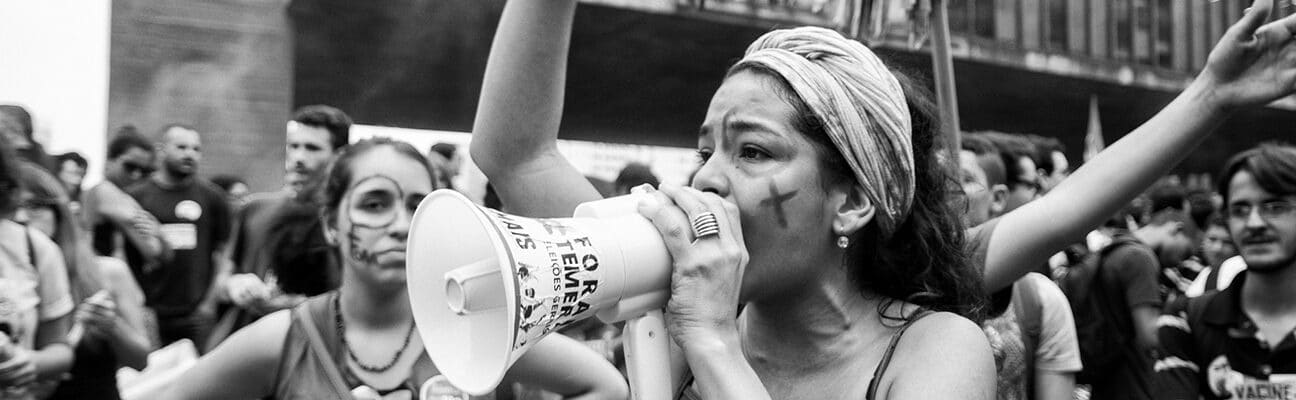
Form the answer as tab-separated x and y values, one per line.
941	347
250	356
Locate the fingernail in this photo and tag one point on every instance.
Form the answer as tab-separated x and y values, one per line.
644	188
648	204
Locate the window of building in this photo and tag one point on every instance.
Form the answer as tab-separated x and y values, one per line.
1056	24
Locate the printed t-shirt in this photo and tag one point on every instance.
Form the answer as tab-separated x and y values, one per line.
1212	349
195	218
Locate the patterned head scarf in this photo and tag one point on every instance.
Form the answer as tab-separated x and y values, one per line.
860	103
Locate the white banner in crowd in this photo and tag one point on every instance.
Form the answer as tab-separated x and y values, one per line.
593	159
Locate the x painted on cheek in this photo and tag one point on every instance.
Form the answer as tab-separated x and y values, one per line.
776	201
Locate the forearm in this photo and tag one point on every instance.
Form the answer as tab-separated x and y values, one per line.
522	90
52	360
151	248
516	131
720	370
222	267
129	345
1027	236
1051	385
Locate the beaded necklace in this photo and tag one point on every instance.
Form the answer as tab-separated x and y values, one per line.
341	331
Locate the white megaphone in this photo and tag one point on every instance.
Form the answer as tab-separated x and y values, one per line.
484	286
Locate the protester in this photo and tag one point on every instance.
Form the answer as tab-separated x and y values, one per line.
235	189
447	154
195	222
1030	329
1238	342
797	302
279	254
1050	156
113	217
342	342
632	175
34	290
71	171
1127	284
1217	247
16	128
109	328
1018	155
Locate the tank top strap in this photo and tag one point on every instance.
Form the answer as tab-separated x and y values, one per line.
308	365
886	357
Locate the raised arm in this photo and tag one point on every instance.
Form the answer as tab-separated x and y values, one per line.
516	131
1254	63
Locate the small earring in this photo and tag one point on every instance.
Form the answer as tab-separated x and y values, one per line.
843	241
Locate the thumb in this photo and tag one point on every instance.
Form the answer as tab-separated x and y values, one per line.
1260	12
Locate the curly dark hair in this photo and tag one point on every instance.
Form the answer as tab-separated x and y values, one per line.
925	262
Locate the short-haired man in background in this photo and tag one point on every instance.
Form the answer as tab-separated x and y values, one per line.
1239	342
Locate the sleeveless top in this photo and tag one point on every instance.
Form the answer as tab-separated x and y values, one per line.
687	392
94	373
304	373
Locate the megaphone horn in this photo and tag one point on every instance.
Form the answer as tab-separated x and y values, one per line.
485	285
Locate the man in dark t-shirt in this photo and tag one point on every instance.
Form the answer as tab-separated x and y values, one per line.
1128	286
195	222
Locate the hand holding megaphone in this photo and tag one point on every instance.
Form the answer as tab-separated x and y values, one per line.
708	263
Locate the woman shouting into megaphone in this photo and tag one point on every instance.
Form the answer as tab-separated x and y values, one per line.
819	207
360	341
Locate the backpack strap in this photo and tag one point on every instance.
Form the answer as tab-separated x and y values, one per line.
317	346
1030	315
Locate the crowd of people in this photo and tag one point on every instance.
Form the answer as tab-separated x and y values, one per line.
852	254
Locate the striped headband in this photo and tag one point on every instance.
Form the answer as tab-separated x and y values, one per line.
860	103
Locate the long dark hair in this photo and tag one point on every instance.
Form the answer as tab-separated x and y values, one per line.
78	257
925	261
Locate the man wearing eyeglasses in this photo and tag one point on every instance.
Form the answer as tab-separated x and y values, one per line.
1239	343
1030	326
114	217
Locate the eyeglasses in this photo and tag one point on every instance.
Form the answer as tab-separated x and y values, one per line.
1268	210
37	204
132	168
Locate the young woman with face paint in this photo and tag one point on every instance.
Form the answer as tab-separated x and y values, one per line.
366	339
818	164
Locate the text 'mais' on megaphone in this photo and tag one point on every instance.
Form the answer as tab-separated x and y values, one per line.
484	285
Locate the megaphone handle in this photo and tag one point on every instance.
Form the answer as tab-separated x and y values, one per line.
647	351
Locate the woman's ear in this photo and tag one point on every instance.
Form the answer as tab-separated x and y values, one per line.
854	212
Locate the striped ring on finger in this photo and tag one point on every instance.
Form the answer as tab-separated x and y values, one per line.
705	224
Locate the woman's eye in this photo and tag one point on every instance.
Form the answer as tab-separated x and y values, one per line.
753	153
703	155
373	205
